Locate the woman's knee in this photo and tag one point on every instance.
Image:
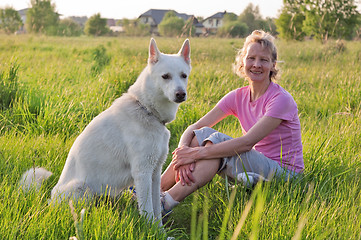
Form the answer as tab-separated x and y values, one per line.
194	142
205	170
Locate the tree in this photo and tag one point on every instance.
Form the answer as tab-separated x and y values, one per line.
320	19
289	25
42	18
171	25
232	27
268	25
188	28
251	17
135	28
358	28
10	20
229	17
68	27
96	26
330	18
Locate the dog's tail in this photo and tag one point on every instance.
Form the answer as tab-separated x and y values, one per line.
33	178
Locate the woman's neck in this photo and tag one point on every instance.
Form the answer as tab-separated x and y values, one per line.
258	89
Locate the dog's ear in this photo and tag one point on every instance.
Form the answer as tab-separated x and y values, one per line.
153	52
185	51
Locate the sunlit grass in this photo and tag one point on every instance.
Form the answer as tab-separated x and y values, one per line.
57	94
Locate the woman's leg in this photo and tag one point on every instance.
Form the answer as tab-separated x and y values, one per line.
203	172
168	177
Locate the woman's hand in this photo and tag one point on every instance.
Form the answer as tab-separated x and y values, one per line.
184	155
184	174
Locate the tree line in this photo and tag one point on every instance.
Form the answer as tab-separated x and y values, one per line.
321	19
298	19
42	18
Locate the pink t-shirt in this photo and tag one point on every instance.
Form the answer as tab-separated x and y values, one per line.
275	102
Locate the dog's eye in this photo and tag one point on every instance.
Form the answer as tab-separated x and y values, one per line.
183	75
166	76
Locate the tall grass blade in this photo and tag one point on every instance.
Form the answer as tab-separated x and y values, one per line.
199	226
9	86
194	217
227	186
227	214
205	217
303	218
78	225
260	202
245	213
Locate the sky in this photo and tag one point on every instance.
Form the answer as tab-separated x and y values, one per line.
131	9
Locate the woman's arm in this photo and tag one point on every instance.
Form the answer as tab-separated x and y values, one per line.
208	120
184	173
186	155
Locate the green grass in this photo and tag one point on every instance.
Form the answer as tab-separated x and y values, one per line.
51	88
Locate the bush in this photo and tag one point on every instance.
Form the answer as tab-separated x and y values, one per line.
171	25
96	26
135	28
68	27
233	29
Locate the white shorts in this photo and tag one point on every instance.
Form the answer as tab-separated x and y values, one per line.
249	162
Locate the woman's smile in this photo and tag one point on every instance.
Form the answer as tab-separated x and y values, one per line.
257	63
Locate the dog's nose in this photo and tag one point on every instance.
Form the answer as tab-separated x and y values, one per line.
180	96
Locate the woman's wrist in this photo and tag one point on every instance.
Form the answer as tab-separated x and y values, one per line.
201	153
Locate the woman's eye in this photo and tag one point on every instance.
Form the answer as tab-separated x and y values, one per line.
166	76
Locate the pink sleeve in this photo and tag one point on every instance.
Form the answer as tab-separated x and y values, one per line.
227	103
281	106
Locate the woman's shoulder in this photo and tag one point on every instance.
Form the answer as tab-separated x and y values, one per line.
280	97
280	104
279	91
242	90
238	91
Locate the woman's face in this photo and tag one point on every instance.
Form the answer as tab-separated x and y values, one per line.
258	63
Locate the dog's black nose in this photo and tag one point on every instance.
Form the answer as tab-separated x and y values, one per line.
180	96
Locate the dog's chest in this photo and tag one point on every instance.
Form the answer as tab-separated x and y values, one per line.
157	148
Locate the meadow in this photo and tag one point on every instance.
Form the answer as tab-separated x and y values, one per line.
52	87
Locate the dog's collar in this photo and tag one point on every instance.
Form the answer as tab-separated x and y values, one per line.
150	113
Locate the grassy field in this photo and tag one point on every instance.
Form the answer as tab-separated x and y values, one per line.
51	88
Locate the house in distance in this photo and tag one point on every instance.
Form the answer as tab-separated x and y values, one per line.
154	17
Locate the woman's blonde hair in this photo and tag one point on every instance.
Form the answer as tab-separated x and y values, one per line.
267	41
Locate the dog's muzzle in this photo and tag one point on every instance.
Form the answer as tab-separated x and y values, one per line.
180	96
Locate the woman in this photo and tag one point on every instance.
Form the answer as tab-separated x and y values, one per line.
271	141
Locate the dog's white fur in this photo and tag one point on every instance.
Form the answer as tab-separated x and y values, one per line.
127	143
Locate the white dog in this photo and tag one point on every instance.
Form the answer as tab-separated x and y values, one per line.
127	143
